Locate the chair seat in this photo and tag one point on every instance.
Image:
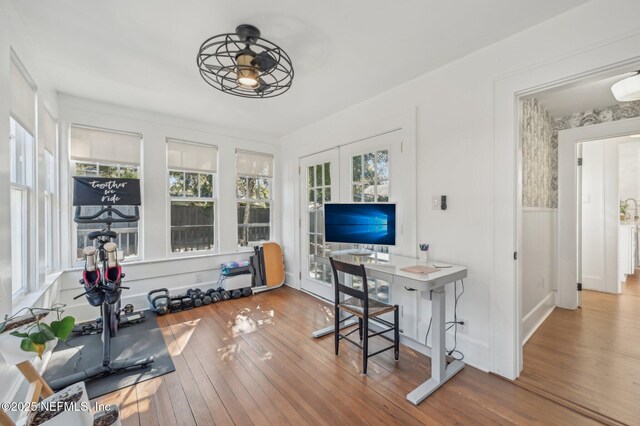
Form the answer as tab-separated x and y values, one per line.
356	307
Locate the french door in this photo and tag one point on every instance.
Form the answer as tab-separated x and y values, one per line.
319	185
363	171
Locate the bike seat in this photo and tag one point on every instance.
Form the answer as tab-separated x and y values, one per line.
95	234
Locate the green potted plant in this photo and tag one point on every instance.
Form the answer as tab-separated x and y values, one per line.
623	210
35	334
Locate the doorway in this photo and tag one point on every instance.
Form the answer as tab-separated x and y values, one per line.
581	356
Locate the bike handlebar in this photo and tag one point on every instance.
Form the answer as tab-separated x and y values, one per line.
94	218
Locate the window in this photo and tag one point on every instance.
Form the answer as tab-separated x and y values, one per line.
192	170
254	174
22	125
49	206
370	177
48	138
370	183
106	153
22	144
318	192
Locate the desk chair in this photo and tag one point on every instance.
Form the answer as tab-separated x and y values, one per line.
360	306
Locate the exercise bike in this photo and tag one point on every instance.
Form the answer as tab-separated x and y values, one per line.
102	282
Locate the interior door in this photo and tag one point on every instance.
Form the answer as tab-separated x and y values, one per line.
579	202
319	178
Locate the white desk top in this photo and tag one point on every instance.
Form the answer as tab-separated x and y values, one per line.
383	264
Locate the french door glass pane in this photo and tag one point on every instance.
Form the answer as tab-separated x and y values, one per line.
319	192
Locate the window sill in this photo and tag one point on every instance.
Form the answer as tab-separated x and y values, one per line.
27	300
172	257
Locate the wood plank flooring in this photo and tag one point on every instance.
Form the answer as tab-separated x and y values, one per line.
253	361
591	356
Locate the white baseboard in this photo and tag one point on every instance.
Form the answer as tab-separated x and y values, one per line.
291	280
536	317
82	311
591	282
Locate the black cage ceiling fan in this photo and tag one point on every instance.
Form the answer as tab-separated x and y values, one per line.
244	64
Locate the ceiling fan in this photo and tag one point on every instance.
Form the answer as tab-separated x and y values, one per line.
245	64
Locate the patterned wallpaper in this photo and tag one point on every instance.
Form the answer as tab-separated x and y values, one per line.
537	155
540	155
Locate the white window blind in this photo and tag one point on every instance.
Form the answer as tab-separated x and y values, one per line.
104	146
254	164
48	133
188	156
23	99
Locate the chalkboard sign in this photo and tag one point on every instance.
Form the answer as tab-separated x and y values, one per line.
97	191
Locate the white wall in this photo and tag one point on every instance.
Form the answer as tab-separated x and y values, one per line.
158	267
455	146
629	174
538	265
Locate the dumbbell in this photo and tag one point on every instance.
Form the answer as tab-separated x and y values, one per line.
196	296
236	294
214	295
187	302
175	304
246	291
225	295
206	299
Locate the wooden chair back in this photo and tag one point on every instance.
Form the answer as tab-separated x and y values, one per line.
353	270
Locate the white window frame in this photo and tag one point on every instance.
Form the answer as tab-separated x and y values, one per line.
213	199
246	199
24	181
50	217
362	182
375	248
74	226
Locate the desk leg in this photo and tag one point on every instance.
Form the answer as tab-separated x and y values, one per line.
440	371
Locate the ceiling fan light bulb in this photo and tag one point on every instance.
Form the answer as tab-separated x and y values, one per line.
248	82
628	89
247	75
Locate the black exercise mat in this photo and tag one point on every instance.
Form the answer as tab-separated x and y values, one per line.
133	341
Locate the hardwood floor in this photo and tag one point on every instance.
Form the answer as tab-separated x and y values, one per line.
253	361
591	356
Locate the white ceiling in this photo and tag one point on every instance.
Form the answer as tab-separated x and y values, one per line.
583	97
141	53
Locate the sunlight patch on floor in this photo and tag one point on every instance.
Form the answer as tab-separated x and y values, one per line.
182	333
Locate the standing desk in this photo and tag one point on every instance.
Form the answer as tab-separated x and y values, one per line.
389	268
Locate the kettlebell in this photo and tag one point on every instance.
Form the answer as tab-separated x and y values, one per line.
159	304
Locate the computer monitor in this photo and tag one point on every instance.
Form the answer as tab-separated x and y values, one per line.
360	223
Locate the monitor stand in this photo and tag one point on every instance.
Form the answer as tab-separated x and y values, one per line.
353	252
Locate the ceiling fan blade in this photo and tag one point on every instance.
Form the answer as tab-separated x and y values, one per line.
264	61
263	86
214	67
